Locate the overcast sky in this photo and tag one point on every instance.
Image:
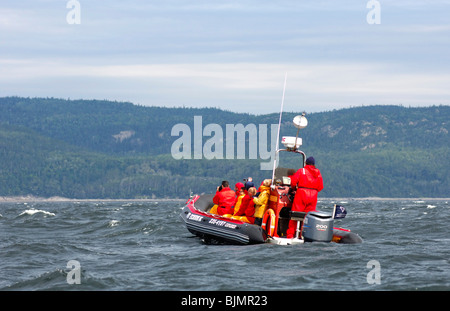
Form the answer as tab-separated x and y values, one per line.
228	54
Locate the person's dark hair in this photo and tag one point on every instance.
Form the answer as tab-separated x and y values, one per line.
225	183
310	161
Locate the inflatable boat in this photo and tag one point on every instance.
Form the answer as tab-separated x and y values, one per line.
215	228
315	226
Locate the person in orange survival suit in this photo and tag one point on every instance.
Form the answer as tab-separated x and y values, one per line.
239	199
224	198
247	208
237	189
309	183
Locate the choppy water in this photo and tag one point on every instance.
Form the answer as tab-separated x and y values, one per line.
123	245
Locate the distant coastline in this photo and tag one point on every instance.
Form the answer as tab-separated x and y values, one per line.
30	198
385	199
70	148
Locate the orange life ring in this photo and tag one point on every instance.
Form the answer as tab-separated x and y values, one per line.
269	214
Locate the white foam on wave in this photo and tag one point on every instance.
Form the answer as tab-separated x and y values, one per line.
431	206
34	211
113	223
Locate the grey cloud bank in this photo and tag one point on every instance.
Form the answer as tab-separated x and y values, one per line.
228	54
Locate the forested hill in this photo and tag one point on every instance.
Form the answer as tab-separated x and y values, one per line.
103	149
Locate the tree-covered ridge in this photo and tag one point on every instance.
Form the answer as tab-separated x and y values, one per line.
104	149
371	127
98	125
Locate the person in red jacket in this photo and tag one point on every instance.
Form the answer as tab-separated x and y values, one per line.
247	209
224	198
309	182
237	189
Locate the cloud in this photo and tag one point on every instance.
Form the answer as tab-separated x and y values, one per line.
237	86
231	54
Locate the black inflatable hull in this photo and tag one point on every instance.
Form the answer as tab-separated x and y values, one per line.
214	228
345	236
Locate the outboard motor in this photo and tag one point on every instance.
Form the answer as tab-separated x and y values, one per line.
318	227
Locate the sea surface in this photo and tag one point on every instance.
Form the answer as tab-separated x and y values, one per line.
144	246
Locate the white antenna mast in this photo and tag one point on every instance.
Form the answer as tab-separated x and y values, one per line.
278	135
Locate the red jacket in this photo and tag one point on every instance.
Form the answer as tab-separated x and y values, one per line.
309	182
238	186
225	199
250	210
247	208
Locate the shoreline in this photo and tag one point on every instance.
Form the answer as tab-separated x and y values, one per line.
30	198
385	199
